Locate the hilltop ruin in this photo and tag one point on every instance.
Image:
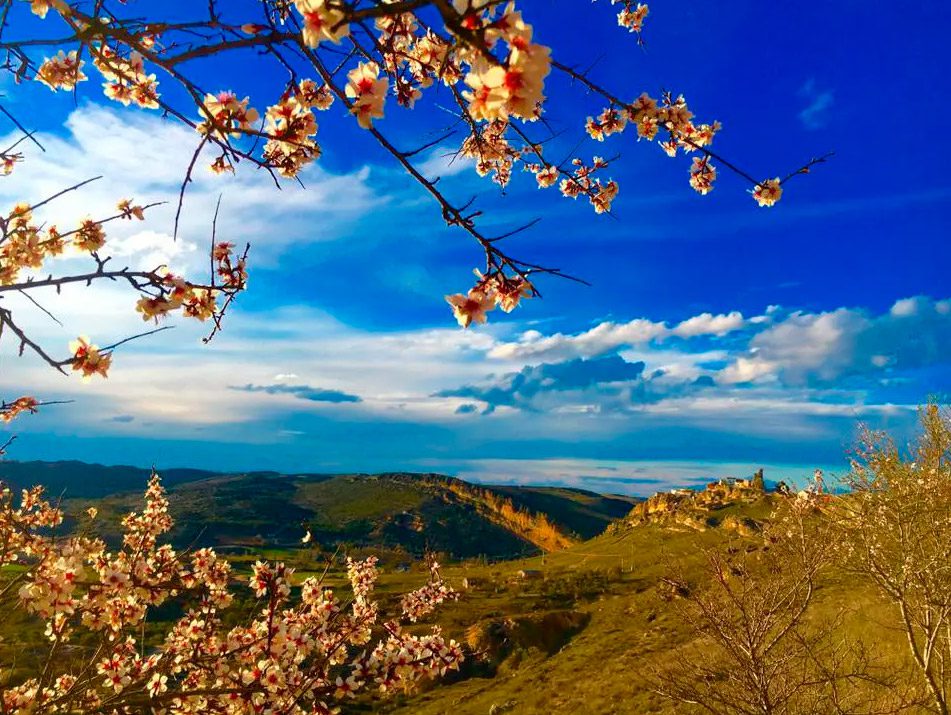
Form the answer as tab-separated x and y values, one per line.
696	509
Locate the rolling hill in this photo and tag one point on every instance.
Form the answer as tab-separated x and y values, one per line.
396	512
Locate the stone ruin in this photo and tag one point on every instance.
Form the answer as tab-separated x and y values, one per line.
692	507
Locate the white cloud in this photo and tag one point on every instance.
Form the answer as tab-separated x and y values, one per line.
603	338
907	307
142	156
607	337
444	162
820	348
746	369
151	248
803	345
709	324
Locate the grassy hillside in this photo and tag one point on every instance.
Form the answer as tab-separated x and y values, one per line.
582	512
584	636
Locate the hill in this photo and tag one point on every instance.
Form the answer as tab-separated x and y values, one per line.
397	512
85	480
582	629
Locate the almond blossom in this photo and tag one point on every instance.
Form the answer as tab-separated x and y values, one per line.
126	79
303	649
632	17
321	22
368	92
291	126
10	411
768	192
702	175
471	307
226	115
62	71
129	211
88	359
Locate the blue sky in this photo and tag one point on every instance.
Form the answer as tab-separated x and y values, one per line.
716	337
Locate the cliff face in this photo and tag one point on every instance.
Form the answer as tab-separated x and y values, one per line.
696	509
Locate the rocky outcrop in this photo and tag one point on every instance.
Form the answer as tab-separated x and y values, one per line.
696	509
496	638
744	526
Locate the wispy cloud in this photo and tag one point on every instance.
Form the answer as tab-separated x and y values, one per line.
819	102
303	392
444	161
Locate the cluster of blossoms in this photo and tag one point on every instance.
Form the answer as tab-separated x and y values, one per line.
702	175
415	61
226	115
673	116
494	290
768	192
231	271
62	71
194	301
649	117
88	359
9	411
492	152
583	182
25	244
291	126
419	603
302	650
631	15
126	79
367	92
511	85
175	293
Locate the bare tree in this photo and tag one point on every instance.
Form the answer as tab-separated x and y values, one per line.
896	532
759	648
